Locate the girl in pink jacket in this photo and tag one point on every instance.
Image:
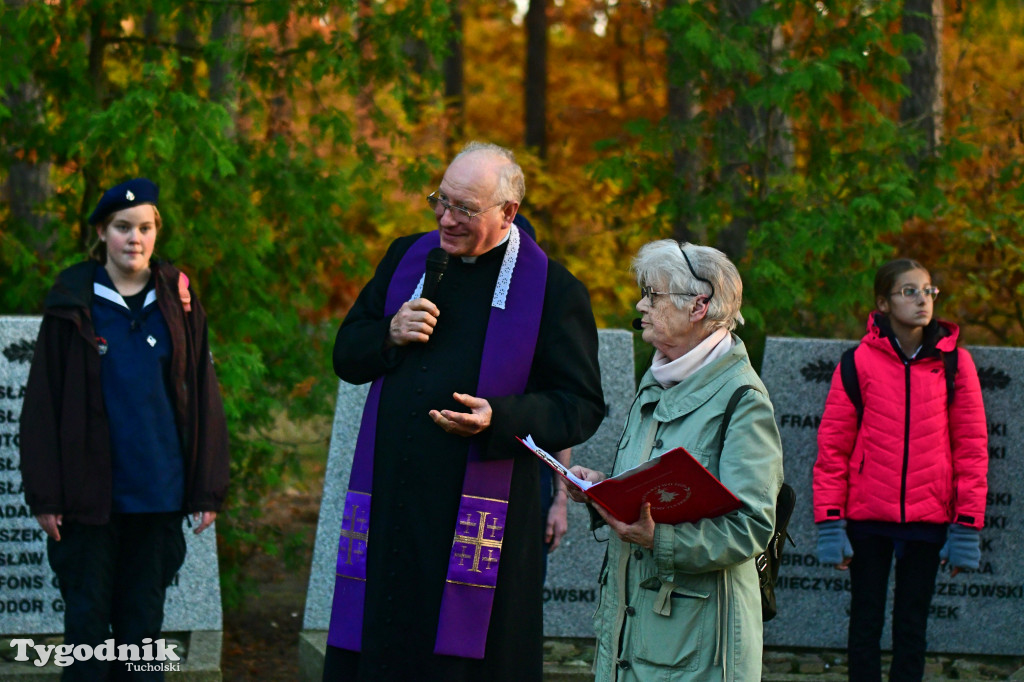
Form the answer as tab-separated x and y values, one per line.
905	474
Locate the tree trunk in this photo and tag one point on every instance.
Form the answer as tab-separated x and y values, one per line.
98	80
454	67
226	40
921	109
746	134
619	40
151	31
28	187
686	160
187	39
279	112
535	85
782	154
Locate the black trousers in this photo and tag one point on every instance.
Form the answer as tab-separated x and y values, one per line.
113	579
916	569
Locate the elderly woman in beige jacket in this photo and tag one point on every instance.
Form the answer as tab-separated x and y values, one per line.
681	602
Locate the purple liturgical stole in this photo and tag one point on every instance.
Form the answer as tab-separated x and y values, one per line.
509	345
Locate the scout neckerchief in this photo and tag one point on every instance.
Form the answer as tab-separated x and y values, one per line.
509	345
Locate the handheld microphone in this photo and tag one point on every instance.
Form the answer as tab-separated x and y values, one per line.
437	263
638	324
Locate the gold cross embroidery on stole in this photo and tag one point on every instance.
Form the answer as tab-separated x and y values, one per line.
479	542
352	534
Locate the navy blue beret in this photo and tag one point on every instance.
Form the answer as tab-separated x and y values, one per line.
127	194
524	225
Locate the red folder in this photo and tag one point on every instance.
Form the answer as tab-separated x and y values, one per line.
678	487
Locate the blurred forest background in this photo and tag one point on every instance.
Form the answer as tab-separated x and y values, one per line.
294	139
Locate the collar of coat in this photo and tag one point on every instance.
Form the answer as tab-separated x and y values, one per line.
939	335
73	288
696	389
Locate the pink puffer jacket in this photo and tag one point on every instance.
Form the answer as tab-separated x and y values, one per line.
901	466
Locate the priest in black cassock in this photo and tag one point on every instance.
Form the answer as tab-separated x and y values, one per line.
440	557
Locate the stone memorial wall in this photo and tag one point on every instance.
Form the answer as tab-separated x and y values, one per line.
570	592
30	602
977	612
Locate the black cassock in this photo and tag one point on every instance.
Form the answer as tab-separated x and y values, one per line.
418	468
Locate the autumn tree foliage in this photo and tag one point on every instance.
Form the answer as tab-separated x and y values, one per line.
978	242
268	127
801	162
789	133
294	140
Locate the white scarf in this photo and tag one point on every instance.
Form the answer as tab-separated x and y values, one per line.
668	373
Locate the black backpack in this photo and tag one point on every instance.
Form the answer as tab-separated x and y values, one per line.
769	560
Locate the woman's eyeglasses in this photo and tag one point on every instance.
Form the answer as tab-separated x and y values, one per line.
910	292
649	293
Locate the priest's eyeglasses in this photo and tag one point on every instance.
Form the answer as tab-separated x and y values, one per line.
460	214
911	293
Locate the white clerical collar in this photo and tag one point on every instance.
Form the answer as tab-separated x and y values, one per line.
508	264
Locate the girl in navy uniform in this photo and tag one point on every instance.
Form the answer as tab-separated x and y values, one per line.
122	431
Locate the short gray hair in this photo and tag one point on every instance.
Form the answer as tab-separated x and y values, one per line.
511	184
662	264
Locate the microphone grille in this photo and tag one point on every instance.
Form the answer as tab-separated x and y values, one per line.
437	260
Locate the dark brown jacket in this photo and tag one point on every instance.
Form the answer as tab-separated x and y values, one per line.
65	441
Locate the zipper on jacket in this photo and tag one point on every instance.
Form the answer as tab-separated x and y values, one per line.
906	442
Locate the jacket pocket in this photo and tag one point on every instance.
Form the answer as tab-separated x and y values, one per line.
702	455
675	640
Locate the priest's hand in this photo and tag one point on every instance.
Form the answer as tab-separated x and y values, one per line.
464	423
639	533
575	494
413	323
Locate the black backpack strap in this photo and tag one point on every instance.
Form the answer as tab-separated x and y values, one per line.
949	362
851	383
734	400
768	561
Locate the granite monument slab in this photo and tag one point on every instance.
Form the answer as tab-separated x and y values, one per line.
979	612
30	602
